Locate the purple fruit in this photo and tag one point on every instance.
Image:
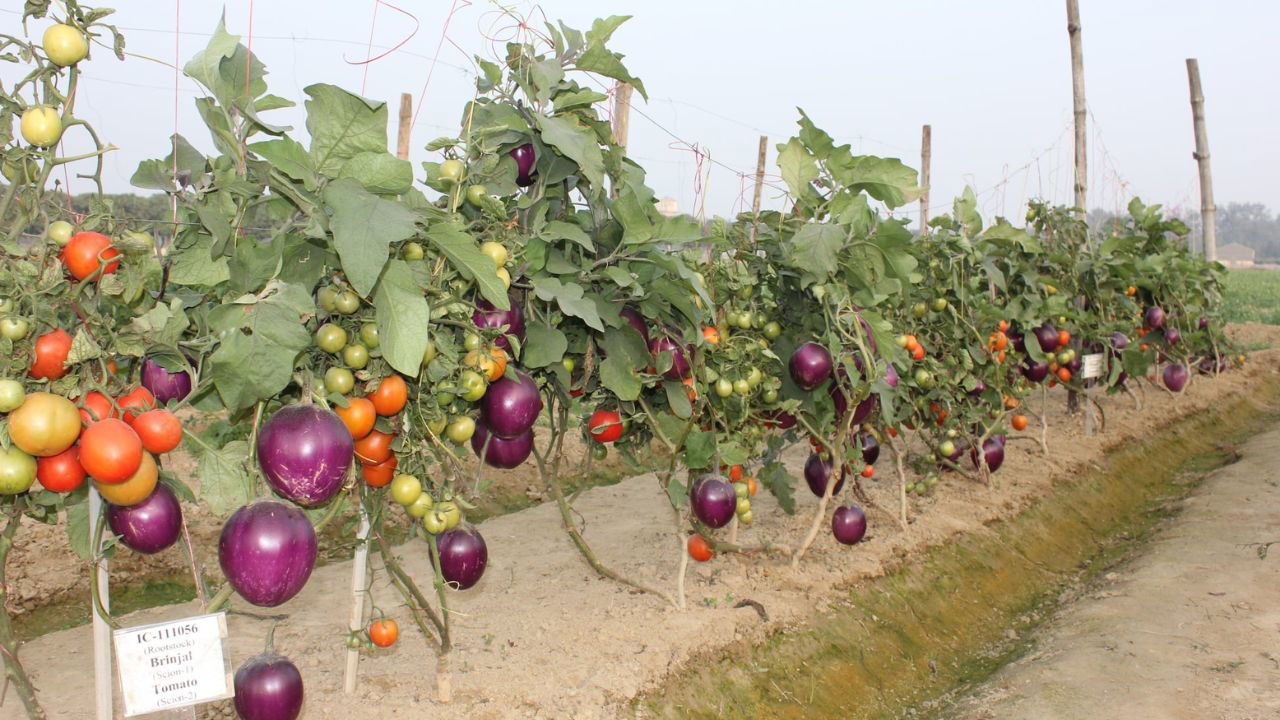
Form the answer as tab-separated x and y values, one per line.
525	158
679	363
267	551
636	320
502	452
268	687
1204	323
714	501
1154	318
817	473
489	317
150	526
1047	337
870	449
1035	372
849	524
1017	340
978	389
1172	336
890	376
305	452
781	419
864	409
463	556
510	407
1175	377
1075	364
1119	340
992	452
163	384
810	365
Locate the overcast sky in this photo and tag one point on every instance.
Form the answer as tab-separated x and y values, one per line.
992	77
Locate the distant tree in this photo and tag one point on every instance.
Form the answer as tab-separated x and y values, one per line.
1252	225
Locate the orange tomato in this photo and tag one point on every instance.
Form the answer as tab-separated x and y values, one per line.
159	430
51	350
96	407
498	367
136	488
1019	422
691	389
380	475
1064	338
359	416
1000	356
110	451
917	353
383	633
1011	402
699	548
912	343
752	486
735	473
1004	326
711	335
140	400
392	393
86	253
869	471
1064	375
374	448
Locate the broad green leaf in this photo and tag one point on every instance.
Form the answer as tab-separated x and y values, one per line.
699	449
159	174
731	453
543	346
467	259
78	530
225	484
815	249
343	125
569	296
363	226
380	172
774	476
602	61
619	276
403	318
633	212
560	230
677	492
546	75
576	142
83	347
194	265
289	157
798	167
885	179
678	399
678	229
620	379
255	358
625	344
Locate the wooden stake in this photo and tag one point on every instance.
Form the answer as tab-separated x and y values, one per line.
1078	107
761	156
406	126
103	684
926	154
1208	211
622	113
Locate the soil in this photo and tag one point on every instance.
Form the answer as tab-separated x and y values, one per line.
542	636
1189	629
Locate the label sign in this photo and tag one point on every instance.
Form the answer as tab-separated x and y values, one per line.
173	664
1091	365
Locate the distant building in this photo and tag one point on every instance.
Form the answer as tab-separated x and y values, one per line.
1235	255
668	207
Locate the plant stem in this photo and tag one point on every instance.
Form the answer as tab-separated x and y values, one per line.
14	671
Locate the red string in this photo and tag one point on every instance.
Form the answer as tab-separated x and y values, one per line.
369	58
177	76
444	35
364	81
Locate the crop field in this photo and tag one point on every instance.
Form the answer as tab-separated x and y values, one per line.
1252	296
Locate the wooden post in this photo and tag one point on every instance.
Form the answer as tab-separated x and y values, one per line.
622	113
761	155
1208	211
926	154
103	683
1078	108
406	126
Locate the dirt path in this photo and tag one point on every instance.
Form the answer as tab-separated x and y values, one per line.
1188	629
541	636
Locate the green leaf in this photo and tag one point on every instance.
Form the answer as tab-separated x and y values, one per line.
798	167
774	476
560	230
677	492
576	142
343	125
678	399
885	179
363	226
289	157
699	449
225	484
620	379
256	356
602	61
380	172
465	255
570	298
78	530
194	265
619	276
543	346
546	75
626	345
159	174
815	249
731	453
403	319
83	348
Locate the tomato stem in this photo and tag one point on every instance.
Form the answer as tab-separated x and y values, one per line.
8	644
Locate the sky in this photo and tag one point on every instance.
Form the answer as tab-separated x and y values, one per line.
991	77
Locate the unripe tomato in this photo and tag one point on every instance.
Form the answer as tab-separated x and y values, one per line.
14	328
724	387
339	380
346	302
383	633
327	298
51	352
17	471
420	506
64	45
429	354
369	335
505	277
605	426
437	425
41	126
88	253
472	342
435	522
599	452
460	429
939	304
59	231
331	338
45	424
473	385
110	451
741	386
452	514
772	330
496	252
412	251
476	194
355	355
61	473
568	364
137	488
159	430
390	396
406	489
11	395
451	172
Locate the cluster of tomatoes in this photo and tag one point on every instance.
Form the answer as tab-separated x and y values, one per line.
385	398
436	516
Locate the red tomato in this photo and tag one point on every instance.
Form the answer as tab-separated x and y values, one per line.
380	475
96	406
159	430
391	395
605	426
374	448
61	473
699	548
136	402
85	254
52	349
383	633
110	451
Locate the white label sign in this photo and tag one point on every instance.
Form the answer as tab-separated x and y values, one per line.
173	664
1092	366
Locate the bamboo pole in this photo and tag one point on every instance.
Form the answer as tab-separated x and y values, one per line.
761	156
406	126
622	113
1078	108
102	675
926	154
1208	211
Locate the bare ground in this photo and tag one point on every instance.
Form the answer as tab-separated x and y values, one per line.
542	636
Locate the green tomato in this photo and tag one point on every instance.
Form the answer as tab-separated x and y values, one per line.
17	471
472	342
451	172
412	251
473	385
924	378
476	194
331	338
437	425
14	328
41	126
495	250
741	490
953	433
11	395
568	364
709	375
339	380
939	304
327	298
356	356
505	277
429	354
741	386
724	388
744	505
599	451
435	522
901	341
770	396
772	330
64	45
744	321
920	310
947	448
754	377
347	302
746	518
452	513
369	335
461	429
420	506
406	489
6	305
60	232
